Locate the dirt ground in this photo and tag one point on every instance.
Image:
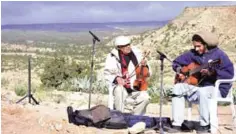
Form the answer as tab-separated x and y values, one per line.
49	118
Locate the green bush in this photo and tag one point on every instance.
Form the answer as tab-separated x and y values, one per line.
20	90
58	70
83	84
100	86
155	98
154	93
80	84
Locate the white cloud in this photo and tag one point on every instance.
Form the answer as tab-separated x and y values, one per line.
57	12
154	7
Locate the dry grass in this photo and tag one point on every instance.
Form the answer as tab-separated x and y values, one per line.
15	78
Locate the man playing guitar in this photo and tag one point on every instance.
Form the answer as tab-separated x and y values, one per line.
205	50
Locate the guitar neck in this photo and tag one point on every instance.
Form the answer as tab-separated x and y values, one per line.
198	69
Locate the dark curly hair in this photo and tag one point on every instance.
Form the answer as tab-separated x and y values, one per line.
198	39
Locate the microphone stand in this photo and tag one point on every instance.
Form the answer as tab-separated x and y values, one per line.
95	38
162	57
29	85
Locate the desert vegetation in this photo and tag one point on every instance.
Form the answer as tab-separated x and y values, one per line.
59	62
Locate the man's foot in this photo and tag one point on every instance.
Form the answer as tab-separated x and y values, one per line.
70	114
203	129
173	129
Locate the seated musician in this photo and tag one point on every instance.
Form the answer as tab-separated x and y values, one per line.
120	74
205	50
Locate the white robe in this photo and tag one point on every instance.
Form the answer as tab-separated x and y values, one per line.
113	68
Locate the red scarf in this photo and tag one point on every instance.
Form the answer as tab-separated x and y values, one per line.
124	69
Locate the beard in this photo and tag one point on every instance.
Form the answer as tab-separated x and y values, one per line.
127	50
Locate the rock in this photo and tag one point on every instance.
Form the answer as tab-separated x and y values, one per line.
51	127
58	126
41	122
150	132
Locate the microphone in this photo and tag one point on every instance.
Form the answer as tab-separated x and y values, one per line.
94	36
161	53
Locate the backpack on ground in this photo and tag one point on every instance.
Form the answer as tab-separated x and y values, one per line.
151	122
96	116
102	117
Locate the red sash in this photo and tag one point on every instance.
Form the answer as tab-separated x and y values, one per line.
124	69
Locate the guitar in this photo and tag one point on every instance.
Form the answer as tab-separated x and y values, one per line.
192	71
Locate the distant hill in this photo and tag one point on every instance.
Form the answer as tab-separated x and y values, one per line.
76	33
78	27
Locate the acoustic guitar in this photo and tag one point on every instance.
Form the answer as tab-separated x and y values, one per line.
192	73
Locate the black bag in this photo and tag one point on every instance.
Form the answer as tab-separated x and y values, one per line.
117	121
151	122
96	116
101	117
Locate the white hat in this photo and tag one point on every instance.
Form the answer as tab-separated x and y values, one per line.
137	128
122	40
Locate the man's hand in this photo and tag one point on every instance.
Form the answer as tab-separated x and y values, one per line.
181	76
205	72
120	81
143	63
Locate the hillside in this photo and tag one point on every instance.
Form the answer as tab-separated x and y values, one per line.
175	37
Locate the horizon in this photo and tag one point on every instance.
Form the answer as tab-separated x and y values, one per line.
51	12
87	22
78	27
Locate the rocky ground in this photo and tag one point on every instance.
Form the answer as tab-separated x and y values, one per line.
51	118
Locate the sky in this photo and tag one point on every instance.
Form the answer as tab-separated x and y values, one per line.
17	12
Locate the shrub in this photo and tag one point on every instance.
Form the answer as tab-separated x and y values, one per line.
58	70
154	93
20	90
81	84
41	94
100	86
